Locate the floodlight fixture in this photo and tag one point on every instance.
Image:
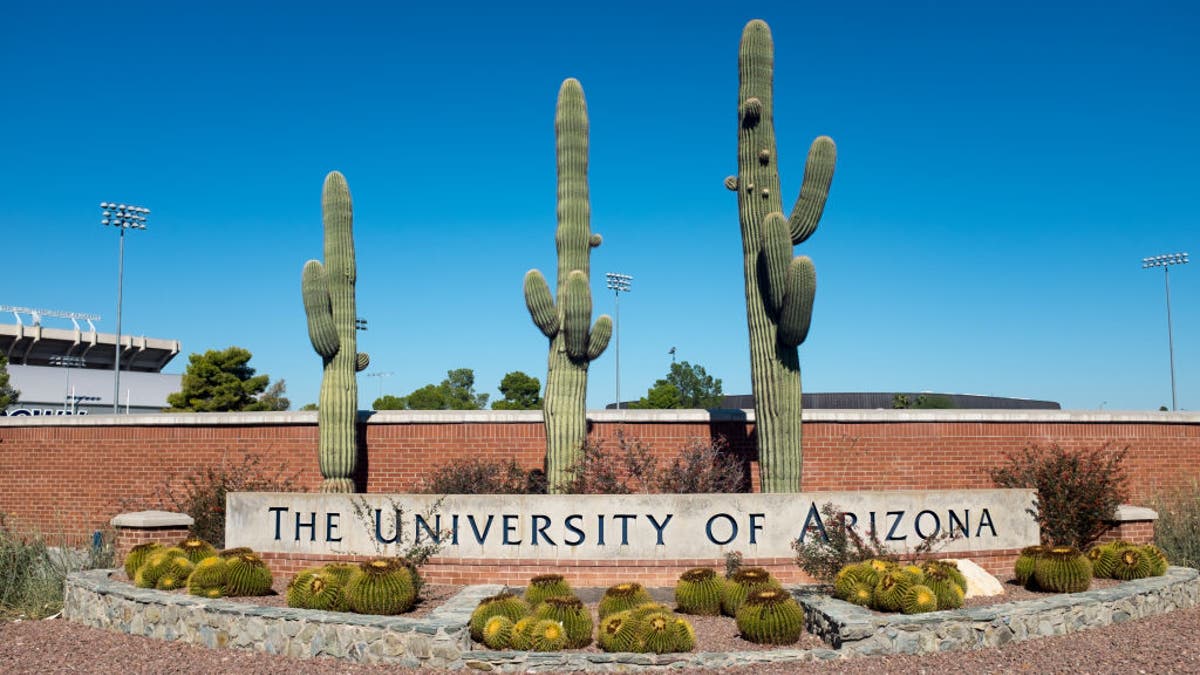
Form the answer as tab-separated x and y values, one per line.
123	217
1165	262
618	283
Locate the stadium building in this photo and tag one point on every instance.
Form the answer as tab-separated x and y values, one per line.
69	371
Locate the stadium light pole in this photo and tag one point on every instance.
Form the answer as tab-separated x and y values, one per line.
67	361
1165	262
618	283
122	217
381	376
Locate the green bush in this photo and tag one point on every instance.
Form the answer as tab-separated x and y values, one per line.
1077	491
703	466
1177	531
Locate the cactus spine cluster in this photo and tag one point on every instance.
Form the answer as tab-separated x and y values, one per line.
779	288
574	342
329	303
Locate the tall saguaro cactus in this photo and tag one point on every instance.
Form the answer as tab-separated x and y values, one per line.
779	288
329	303
574	342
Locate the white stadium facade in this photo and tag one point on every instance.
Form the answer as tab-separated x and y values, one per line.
68	370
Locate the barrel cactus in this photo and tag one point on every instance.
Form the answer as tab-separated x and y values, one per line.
622	597
1104	560
502	604
138	555
547	635
234	552
918	599
546	586
522	633
155	565
574	341
949	594
779	288
316	588
247	574
741	584
497	632
1063	569
658	633
889	592
770	616
852	576
1158	560
384	586
685	635
861	594
617	632
196	549
1132	563
174	573
1026	562
208	579
328	292
698	591
570	613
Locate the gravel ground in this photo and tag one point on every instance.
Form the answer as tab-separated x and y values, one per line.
1163	644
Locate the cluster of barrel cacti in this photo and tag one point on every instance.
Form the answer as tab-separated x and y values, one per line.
383	586
550	617
765	612
914	588
1125	561
196	565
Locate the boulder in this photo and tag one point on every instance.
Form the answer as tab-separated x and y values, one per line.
979	582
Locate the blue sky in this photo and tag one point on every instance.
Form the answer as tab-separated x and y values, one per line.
1002	171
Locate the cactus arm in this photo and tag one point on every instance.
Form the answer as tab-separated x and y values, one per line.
540	303
598	339
776	256
796	314
314	286
576	299
361	361
814	189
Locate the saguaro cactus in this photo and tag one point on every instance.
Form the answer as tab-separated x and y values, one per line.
329	303
572	344
779	288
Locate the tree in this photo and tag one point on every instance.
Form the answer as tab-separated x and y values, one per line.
456	392
309	406
388	402
521	392
273	398
8	395
219	381
686	386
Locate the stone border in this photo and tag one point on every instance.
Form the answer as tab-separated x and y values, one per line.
857	631
442	640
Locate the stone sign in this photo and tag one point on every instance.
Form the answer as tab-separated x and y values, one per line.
616	527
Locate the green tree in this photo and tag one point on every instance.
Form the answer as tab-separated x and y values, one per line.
686	386
8	395
456	392
309	406
273	398
389	402
219	381
521	392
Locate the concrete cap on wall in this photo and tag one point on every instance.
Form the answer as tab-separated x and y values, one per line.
1128	512
146	519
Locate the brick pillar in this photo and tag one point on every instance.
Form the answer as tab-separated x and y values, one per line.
143	527
1134	524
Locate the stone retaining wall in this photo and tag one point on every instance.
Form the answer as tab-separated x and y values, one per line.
442	640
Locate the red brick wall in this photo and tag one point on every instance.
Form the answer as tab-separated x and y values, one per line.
72	476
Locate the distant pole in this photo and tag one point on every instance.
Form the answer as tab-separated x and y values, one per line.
381	376
1165	262
618	283
671	351
123	218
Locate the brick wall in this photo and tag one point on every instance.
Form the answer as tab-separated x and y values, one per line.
71	475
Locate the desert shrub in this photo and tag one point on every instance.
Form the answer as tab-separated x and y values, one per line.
482	477
200	493
703	467
32	571
1177	531
631	468
823	557
1077	491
